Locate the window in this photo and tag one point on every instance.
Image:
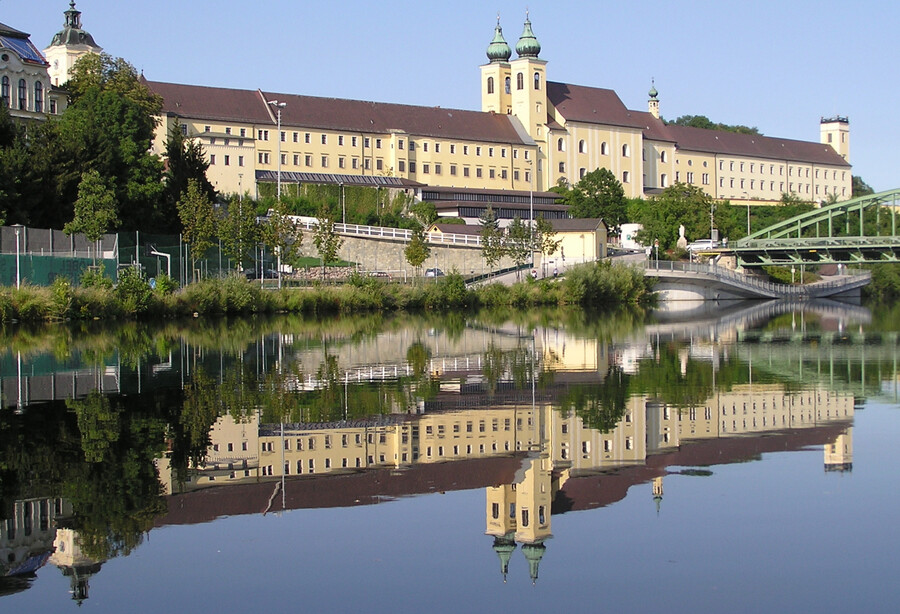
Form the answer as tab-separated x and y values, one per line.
478	172
283	136
307	160
503	174
206	128
562	167
581	172
690	178
263	158
478	151
342	162
663	180
515	174
662	157
520	81
490	85
227	159
240	160
353	141
506	85
626	176
324	139
452	149
400	144
705	178
582	147
4	91
465	150
490	152
426	168
367	163
377	143
401	166
23	94
341	140
307	137
424	145
537	80
626	151
261	135
379	165
437	169
412	166
502	152
604	149
284	158
492	173
465	171
560	145
296	159
38	97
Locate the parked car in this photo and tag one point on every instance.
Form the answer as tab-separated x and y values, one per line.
434	273
383	275
702	245
267	274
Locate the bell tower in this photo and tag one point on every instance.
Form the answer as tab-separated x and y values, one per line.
529	84
835	131
67	46
495	75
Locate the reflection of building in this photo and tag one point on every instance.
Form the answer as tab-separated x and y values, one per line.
839	453
26	537
74	563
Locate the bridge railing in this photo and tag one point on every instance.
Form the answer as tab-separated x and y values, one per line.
854	278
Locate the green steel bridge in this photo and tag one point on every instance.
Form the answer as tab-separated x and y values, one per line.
856	231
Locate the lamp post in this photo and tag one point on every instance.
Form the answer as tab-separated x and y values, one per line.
343	206
531	206
18	228
278	107
747	198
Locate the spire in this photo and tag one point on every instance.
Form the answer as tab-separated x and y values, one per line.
533	553
498	50
653	103
528	45
72	32
504	547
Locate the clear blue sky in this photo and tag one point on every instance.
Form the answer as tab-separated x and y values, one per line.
777	65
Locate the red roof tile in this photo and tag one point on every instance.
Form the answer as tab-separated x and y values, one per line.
592	105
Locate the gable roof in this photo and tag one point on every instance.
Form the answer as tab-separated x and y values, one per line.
585	224
223	104
591	105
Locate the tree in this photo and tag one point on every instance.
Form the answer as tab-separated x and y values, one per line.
545	237
424	212
491	238
860	187
196	213
418	250
108	127
518	243
95	209
238	230
283	235
327	241
599	195
702	121
186	160
662	215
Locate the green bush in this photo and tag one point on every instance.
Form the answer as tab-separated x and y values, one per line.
94	277
133	292
61	299
602	284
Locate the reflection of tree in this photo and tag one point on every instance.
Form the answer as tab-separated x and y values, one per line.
115	491
600	406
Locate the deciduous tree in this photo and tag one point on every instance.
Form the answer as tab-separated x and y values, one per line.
197	218
326	240
96	210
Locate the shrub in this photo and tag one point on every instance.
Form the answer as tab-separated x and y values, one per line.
94	277
61	298
133	292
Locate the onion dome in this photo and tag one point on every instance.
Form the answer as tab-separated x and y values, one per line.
528	45
72	34
653	93
498	50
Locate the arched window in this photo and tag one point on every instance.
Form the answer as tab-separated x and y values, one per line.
582	172
604	150
560	145
626	177
537	80
662	157
38	96
582	148
507	82
23	95
663	180
490	85
562	167
625	150
520	81
4	91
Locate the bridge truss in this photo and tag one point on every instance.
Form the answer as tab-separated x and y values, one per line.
860	230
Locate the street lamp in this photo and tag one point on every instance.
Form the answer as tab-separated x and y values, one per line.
343	206
278	107
18	227
748	212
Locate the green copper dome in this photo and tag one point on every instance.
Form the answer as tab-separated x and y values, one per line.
498	50
528	45
72	32
653	93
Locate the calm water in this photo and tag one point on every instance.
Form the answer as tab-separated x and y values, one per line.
738	461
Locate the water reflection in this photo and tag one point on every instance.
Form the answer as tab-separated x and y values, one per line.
124	434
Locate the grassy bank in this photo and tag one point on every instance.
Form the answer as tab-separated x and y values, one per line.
595	285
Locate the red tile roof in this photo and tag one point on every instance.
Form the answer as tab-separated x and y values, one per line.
223	104
592	105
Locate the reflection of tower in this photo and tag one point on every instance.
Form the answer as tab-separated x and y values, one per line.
519	513
504	546
839	454
657	492
74	563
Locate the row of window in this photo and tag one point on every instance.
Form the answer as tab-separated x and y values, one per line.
520	83
801	171
604	148
801	188
22	97
626	175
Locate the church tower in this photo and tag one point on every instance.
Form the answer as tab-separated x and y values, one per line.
653	102
495	75
67	46
529	85
835	131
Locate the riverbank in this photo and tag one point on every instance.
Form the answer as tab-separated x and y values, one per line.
594	285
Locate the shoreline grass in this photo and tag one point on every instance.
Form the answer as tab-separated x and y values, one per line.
594	285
